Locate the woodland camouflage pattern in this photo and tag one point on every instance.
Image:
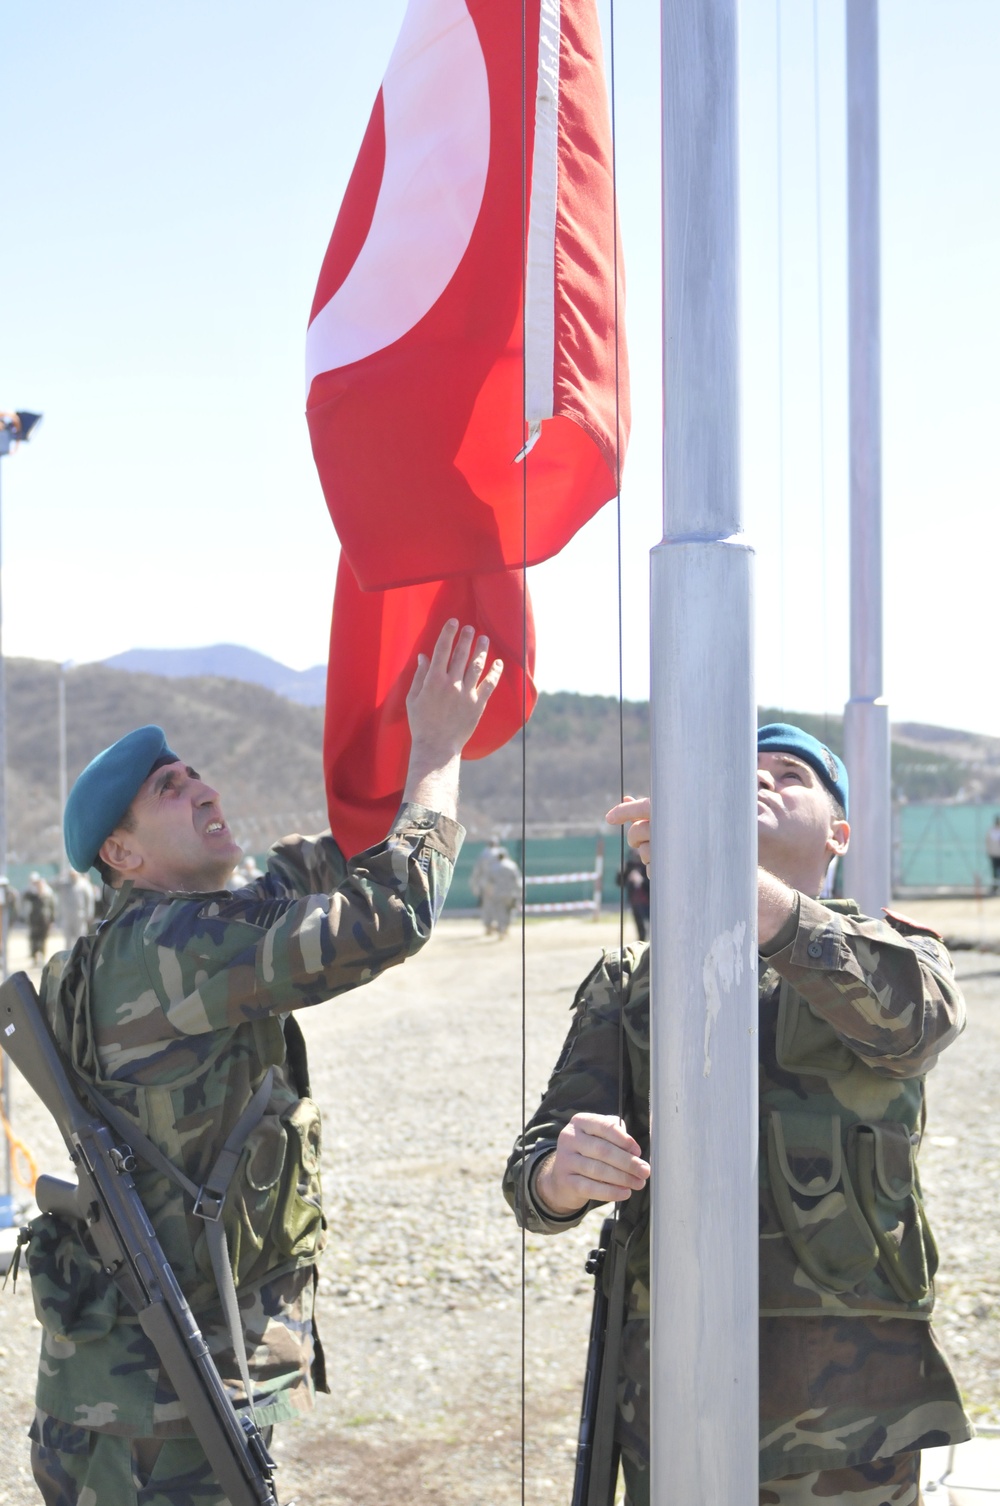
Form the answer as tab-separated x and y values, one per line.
853	1013
175	1012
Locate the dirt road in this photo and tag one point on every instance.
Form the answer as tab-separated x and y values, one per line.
419	1077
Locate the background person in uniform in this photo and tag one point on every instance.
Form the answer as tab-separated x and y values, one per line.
853	1012
39	907
636	881
77	901
993	853
179	1011
496	882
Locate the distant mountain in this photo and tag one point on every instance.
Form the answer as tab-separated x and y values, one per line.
265	755
227	661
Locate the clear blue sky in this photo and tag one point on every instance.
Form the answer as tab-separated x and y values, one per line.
172	177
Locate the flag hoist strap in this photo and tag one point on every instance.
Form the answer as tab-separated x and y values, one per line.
208	1200
604	1459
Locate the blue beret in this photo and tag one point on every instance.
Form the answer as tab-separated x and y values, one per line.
105	790
782	737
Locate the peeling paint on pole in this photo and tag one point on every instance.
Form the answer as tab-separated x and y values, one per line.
723	966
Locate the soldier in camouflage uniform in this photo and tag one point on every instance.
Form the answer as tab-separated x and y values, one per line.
496	882
176	1011
853	1013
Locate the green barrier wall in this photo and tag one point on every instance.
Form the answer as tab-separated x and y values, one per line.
544	855
942	846
936	846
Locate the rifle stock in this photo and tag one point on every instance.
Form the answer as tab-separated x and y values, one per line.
587	1489
105	1201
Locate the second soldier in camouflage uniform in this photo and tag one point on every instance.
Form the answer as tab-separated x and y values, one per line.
853	1013
177	1011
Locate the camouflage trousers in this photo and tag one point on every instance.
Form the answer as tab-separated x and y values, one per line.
884	1482
77	1467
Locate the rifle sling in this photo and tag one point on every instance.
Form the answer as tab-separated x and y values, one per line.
604	1458
208	1200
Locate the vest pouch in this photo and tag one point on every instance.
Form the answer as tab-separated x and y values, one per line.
254	1197
882	1156
300	1225
73	1298
816	1202
805	1043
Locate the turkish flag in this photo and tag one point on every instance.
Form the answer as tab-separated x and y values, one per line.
467	378
423	389
374	643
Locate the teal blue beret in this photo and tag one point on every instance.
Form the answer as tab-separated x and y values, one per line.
782	737
105	790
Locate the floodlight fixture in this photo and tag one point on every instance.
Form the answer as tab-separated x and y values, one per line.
15	427
26	422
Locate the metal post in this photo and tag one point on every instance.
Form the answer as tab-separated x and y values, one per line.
704	1066
868	864
6	1208
598	878
63	859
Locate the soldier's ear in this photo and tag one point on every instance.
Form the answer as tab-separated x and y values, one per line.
840	836
118	853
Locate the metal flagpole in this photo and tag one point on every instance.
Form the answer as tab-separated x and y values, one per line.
6	1197
13	427
868	863
704	1061
63	783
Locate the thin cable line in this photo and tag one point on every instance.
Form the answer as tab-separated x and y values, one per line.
781	365
821	362
618	544
524	732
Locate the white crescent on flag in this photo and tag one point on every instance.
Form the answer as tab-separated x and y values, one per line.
436	105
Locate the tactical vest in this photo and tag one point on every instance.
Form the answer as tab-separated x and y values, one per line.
272	1208
843	1227
842	1222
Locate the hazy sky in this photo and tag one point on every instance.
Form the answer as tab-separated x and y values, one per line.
172	177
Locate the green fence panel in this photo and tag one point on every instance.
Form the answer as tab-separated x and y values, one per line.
943	846
544	855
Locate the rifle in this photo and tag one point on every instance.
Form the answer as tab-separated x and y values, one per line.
105	1201
596	1451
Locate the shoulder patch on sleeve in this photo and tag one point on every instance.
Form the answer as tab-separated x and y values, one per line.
908	927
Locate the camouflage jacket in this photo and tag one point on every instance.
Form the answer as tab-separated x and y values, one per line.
175	1011
853	1012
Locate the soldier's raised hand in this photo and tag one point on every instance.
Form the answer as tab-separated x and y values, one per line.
446	699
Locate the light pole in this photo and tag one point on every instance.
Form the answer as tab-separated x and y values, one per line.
14	427
63	859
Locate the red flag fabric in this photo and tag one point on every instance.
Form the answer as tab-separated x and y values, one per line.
466	374
374	642
420	380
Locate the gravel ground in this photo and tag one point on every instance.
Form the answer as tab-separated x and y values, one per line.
419	1076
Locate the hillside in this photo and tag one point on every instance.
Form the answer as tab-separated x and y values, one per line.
263	752
228	661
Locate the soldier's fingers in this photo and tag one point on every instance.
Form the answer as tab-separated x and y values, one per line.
628	809
597	1158
477	662
600	1189
605	1127
459	660
419	676
441	654
489	682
